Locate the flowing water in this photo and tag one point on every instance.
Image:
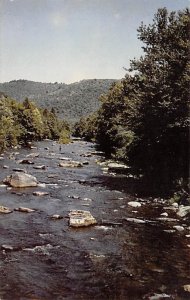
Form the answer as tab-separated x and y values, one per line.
116	259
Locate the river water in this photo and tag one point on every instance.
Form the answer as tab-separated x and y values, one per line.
116	259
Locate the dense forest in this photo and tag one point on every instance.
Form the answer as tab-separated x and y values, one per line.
144	118
21	123
70	101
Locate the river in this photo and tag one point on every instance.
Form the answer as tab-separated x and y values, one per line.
116	259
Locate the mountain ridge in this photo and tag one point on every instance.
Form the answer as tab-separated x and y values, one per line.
70	101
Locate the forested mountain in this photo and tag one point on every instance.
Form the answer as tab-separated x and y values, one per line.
70	101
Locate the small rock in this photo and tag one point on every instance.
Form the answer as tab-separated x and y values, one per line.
24	209
178	228
167	219
5	167
81	218
187	288
85	162
42	167
39	193
19	170
65	158
134	220
134	204
7	247
26	162
117	166
175	204
56	217
42	185
82	181
5	210
158	296
33	155
87	199
169	230
164	214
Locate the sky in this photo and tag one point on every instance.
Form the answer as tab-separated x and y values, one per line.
71	40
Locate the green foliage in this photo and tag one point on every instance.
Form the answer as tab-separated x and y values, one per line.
64	137
144	118
86	127
20	123
70	101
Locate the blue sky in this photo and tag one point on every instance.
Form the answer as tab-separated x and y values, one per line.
71	40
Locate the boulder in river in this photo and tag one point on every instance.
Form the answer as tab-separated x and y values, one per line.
20	180
81	218
5	210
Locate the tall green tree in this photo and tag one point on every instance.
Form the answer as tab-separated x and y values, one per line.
163	117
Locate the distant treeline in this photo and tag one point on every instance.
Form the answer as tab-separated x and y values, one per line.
144	118
21	123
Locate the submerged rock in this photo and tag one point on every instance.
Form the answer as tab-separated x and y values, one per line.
21	180
5	210
81	218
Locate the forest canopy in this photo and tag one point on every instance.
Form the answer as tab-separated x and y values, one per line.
144	118
21	123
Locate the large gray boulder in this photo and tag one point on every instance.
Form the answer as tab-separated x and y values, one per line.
81	218
20	180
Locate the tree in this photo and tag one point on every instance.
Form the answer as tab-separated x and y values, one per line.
162	120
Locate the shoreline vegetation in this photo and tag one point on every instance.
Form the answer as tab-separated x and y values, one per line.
22	123
144	118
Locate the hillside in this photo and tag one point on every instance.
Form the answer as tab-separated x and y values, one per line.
71	101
